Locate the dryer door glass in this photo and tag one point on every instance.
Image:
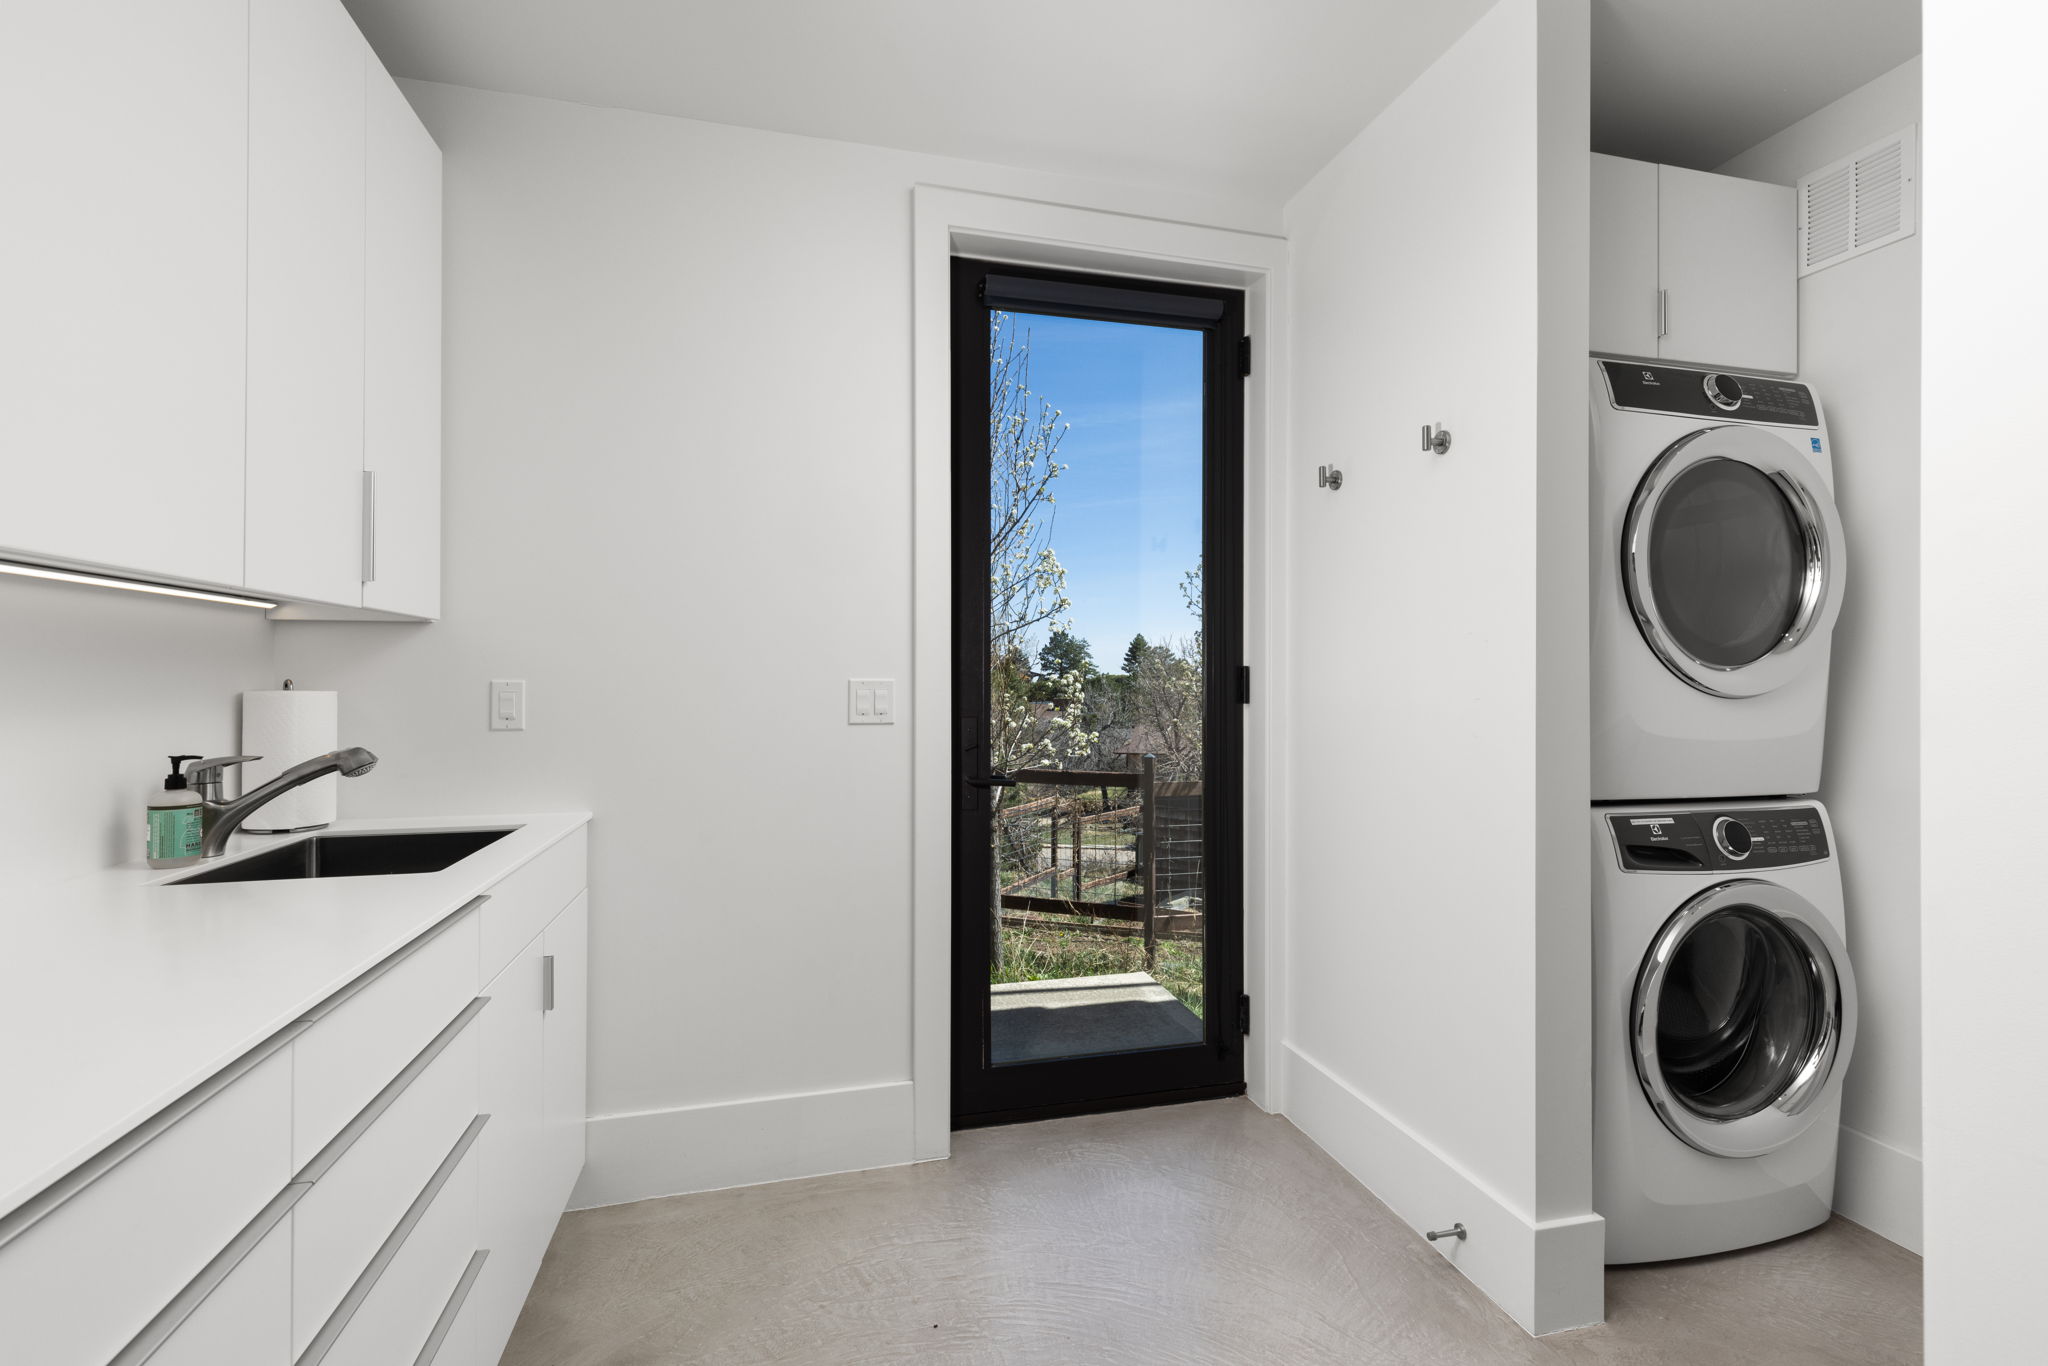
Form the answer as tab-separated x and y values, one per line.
1728	563
1741	1012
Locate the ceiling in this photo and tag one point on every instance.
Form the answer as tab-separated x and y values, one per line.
1201	94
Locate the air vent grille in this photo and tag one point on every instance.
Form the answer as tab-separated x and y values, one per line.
1857	204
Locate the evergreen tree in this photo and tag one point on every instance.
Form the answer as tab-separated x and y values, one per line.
1136	653
1065	653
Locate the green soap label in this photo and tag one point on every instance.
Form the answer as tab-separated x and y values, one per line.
174	832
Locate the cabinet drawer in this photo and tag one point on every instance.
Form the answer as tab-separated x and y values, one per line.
243	1319
392	1311
363	1183
77	1283
524	901
364	1035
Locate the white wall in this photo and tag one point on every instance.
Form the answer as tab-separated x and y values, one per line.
1438	1034
97	686
678	492
1859	343
1984	731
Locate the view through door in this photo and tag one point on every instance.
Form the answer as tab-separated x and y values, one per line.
1097	691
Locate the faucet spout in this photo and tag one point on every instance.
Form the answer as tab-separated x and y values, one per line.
227	817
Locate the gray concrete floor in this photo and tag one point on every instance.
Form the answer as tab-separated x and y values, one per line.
1206	1233
1076	1017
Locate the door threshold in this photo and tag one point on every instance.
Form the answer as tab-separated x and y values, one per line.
1105	1105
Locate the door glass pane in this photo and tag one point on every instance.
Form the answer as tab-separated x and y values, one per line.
1739	1014
1097	684
1727	563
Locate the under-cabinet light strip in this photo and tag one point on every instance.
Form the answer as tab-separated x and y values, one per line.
35	571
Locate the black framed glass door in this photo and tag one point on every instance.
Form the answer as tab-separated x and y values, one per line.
1097	691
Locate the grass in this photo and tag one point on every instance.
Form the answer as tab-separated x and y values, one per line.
1041	954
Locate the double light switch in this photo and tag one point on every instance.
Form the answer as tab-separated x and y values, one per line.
870	701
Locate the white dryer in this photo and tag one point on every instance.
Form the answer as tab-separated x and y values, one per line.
1724	1016
1718	569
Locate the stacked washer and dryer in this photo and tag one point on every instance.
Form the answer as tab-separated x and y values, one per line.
1725	1005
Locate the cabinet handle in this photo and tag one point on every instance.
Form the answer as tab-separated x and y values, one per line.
547	982
158	1330
1663	312
453	1309
369	526
385	965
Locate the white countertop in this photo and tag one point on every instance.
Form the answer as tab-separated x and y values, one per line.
122	993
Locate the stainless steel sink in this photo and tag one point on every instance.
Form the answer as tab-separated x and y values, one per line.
365	855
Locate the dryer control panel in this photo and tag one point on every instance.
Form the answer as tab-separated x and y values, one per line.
1719	841
1719	394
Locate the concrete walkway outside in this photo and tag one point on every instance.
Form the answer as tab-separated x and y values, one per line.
1071	1017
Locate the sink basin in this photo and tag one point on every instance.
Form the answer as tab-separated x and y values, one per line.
366	855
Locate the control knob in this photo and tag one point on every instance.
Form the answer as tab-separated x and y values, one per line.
1725	393
1732	838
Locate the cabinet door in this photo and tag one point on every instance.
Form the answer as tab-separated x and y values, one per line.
1728	255
125	127
1624	264
514	1189
307	67
402	356
566	1031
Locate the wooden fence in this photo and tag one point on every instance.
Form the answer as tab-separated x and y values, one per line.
1166	863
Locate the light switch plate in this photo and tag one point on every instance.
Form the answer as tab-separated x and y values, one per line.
870	701
508	704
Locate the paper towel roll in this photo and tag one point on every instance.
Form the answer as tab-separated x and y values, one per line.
287	726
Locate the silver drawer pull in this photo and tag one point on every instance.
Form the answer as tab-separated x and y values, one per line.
547	982
328	1006
330	1331
158	1330
324	1160
446	1322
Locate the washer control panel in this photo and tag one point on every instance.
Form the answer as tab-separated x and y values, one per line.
1719	841
1710	393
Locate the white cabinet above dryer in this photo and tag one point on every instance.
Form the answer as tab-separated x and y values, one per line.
1694	267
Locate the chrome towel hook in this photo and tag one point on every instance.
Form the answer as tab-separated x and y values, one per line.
1435	439
1329	477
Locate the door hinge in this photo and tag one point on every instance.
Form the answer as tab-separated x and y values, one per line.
1244	684
1244	1016
1244	355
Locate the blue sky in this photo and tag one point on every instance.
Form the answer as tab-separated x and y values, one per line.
1130	504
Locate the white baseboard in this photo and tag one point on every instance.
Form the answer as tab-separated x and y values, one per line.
1878	1186
1547	1275
744	1143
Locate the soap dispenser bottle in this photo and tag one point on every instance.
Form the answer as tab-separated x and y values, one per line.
176	820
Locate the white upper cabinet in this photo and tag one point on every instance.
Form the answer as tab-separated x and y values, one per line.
125	129
402	351
1694	267
222	321
307	78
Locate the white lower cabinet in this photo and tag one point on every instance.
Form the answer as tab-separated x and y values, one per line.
408	1235
247	1319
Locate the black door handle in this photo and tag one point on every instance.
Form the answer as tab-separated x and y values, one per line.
993	780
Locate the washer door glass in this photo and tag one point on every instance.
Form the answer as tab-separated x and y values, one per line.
1727	563
1744	1017
1733	561
1739	1012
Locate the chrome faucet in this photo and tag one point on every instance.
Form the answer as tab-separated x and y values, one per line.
222	818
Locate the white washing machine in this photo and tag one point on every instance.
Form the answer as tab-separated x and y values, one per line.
1724	1017
1718	569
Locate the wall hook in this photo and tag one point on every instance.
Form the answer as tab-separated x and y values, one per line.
1454	1231
1329	477
1435	439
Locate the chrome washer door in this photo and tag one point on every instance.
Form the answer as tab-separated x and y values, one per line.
1743	1019
1733	560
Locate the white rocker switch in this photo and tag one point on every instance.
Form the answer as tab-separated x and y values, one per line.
508	704
870	701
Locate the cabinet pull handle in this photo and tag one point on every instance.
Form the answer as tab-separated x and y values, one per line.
369	526
323	1341
159	1329
385	965
547	982
1663	313
446	1322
